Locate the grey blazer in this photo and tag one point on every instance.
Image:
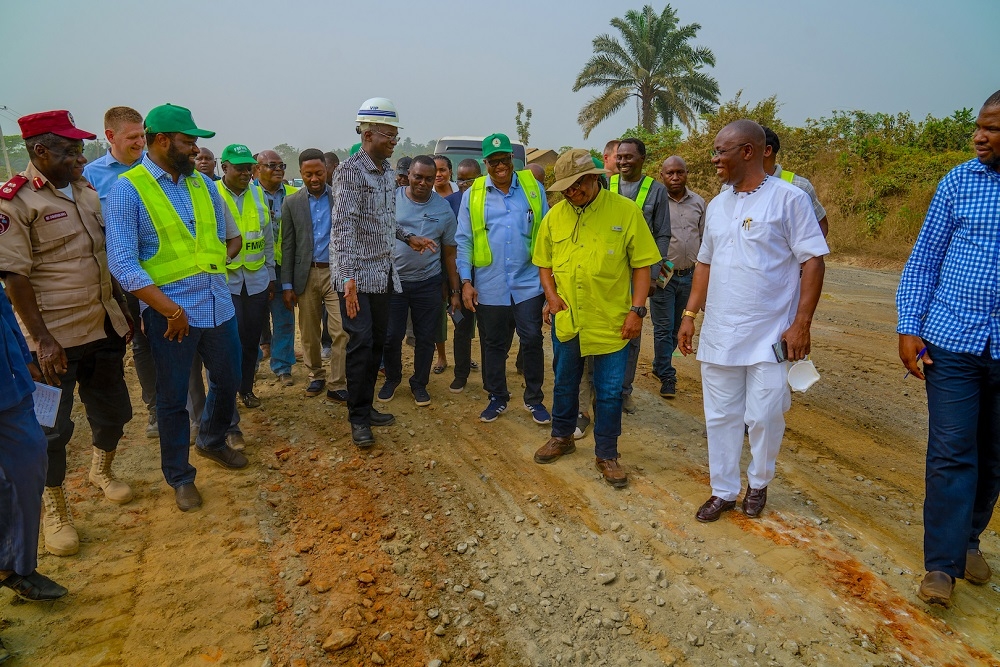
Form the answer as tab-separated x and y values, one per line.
297	247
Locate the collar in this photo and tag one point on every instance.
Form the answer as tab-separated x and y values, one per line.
368	163
515	184
235	196
110	159
36	178
326	191
687	193
777	170
977	167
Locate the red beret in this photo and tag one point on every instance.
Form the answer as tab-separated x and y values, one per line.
58	122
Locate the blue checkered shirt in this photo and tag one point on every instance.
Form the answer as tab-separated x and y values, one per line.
131	237
949	292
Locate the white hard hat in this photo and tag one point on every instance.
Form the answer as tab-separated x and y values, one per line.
378	110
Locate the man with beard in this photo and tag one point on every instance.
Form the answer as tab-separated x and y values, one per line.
168	245
52	257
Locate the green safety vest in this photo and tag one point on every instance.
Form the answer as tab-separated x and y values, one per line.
276	224
787	175
250	223
640	198
481	253
179	255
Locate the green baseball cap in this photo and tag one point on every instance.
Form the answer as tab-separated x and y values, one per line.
496	143
172	118
237	154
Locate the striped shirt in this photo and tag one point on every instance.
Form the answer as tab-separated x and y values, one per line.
949	293
131	238
364	226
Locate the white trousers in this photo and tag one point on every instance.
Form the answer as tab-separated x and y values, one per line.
756	396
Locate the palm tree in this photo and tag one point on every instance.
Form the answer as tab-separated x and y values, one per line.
656	64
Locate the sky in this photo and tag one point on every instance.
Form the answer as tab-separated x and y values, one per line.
265	73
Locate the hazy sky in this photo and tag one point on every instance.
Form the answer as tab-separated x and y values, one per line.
264	73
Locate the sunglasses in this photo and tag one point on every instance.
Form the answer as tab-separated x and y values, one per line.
497	161
272	166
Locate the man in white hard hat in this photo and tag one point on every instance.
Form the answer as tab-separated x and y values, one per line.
364	226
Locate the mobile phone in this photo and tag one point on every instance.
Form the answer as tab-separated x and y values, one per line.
780	350
456	316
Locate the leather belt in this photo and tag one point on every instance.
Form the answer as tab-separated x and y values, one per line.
680	273
321	265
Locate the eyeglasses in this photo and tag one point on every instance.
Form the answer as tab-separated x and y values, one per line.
242	168
394	138
465	181
497	161
577	185
271	166
717	153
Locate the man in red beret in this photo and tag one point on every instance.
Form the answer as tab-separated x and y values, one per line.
73	314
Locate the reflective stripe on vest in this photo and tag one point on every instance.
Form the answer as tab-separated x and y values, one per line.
179	255
640	199
250	223
787	175
481	254
276	225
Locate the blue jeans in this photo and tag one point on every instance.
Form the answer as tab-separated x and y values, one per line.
283	336
609	371
963	455
219	348
421	300
665	309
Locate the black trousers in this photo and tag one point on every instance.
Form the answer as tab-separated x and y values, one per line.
99	372
251	315
462	344
497	334
366	333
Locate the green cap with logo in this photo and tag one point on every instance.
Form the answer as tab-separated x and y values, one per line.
172	118
237	154
496	143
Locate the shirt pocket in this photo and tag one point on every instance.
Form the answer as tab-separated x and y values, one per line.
55	240
609	256
60	308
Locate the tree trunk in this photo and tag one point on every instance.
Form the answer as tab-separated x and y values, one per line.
647	118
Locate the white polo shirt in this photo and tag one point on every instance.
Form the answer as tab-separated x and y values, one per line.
755	243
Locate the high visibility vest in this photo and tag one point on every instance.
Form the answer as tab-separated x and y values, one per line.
250	223
640	198
481	253
276	226
179	255
787	175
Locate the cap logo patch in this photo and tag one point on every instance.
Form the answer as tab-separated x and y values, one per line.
496	142
4	223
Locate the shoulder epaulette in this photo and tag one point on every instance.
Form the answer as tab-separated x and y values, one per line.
11	187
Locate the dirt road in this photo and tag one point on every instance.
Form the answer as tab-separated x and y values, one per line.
447	543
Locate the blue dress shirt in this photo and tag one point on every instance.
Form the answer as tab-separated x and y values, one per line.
319	210
103	172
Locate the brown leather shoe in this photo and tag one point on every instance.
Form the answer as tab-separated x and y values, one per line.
187	497
713	509
753	502
554	448
977	570
613	473
936	588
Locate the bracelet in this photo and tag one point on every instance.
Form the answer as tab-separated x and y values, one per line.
177	314
689	313
456	291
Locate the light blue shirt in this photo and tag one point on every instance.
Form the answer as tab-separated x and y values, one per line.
131	237
432	219
103	172
259	280
511	277
319	210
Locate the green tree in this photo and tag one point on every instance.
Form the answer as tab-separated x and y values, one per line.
523	125
656	64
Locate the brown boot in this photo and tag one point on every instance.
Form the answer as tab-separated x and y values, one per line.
103	478
613	473
555	448
61	538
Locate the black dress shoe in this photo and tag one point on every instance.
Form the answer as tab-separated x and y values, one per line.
713	509
339	396
754	501
36	587
227	457
187	497
381	418
362	436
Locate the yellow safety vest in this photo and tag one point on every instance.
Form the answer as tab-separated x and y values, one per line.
250	223
179	255
481	253
787	175
276	225
640	199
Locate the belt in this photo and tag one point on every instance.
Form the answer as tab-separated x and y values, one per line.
321	265
680	273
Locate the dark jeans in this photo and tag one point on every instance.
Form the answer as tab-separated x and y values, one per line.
963	455
251	314
365	343
142	357
98	369
609	370
462	344
631	363
496	334
22	478
422	302
282	341
219	348
665	309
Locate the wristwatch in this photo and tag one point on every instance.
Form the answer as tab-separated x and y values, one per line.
408	238
456	291
690	313
639	310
